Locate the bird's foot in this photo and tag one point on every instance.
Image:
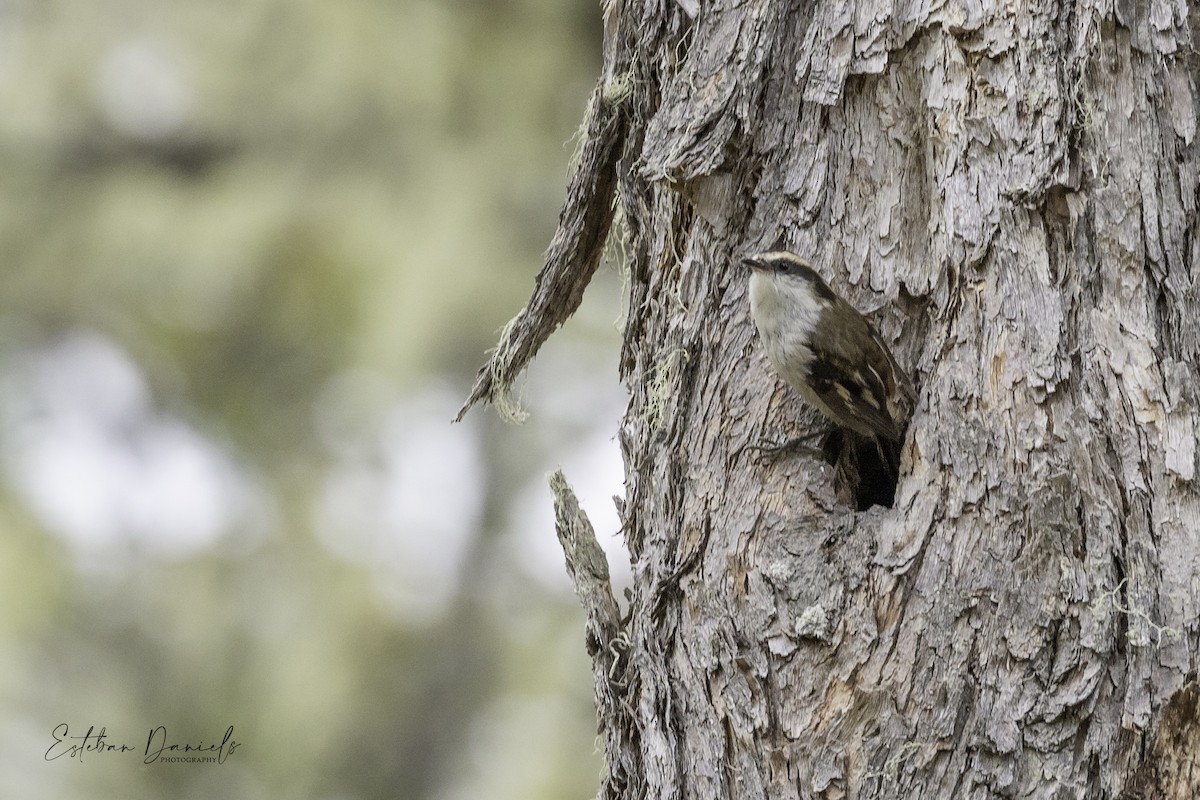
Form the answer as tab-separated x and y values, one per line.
766	451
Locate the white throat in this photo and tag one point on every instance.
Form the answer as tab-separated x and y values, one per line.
786	313
775	301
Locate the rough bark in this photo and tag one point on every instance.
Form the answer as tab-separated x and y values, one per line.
1013	189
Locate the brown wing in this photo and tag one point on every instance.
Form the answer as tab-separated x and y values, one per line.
900	377
856	391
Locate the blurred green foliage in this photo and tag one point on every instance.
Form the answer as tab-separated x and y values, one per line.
260	232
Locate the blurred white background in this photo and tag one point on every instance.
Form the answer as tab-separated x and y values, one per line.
251	256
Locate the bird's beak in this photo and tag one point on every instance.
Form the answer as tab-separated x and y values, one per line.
754	262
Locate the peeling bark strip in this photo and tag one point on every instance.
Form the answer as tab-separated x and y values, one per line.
1016	186
583	226
571	259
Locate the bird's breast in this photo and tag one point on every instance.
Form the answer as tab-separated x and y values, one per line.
785	324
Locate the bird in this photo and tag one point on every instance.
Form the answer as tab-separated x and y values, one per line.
826	350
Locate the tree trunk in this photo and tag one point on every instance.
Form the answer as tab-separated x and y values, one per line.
1010	190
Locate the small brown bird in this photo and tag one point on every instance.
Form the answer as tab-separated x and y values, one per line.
826	350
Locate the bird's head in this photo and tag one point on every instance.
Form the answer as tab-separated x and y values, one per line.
790	270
